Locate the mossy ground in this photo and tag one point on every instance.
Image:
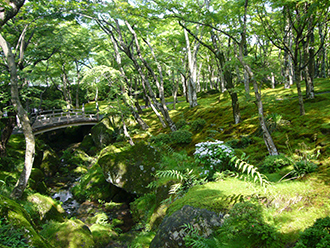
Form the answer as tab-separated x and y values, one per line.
291	206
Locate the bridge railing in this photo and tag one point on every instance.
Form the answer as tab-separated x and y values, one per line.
59	115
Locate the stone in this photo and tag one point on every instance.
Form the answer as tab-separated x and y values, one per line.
103	133
123	168
47	208
172	230
71	233
21	220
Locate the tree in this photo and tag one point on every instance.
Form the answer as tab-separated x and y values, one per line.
298	23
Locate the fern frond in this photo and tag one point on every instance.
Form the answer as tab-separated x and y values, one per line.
175	174
175	188
250	170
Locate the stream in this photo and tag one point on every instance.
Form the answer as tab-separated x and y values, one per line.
62	183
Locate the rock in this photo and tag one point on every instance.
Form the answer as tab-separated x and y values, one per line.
103	133
50	162
18	217
47	208
132	168
36	181
71	233
172	230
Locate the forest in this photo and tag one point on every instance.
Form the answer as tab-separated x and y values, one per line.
164	123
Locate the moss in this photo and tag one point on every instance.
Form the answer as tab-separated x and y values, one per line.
20	219
132	168
47	208
49	164
71	234
93	186
102	235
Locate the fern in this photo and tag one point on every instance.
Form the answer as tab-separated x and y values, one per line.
250	170
195	240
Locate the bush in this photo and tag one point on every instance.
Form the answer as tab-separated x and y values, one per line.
317	235
303	167
246	223
180	124
214	156
161	138
181	137
274	163
198	124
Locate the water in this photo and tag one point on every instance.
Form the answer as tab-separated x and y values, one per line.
69	204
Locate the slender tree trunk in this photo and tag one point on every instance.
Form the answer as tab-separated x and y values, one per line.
175	89
24	119
228	78
78	81
192	60
126	133
160	85
266	134
66	91
135	114
322	50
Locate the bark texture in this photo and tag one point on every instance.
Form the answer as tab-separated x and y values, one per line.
24	119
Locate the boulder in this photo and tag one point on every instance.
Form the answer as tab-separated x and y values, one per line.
131	168
71	233
47	208
50	162
104	133
36	181
172	230
20	220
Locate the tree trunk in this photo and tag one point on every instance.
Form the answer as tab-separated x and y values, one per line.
228	78
192	68
162	107
175	89
266	134
9	10
135	114
66	91
24	119
322	51
309	58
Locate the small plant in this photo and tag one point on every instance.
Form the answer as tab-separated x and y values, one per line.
198	124
273	164
193	239
161	138
250	170
273	120
181	137
316	236
246	222
11	237
184	180
303	167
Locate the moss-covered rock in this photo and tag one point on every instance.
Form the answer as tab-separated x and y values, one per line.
50	162
20	219
46	207
88	145
104	133
71	234
93	186
131	169
36	181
